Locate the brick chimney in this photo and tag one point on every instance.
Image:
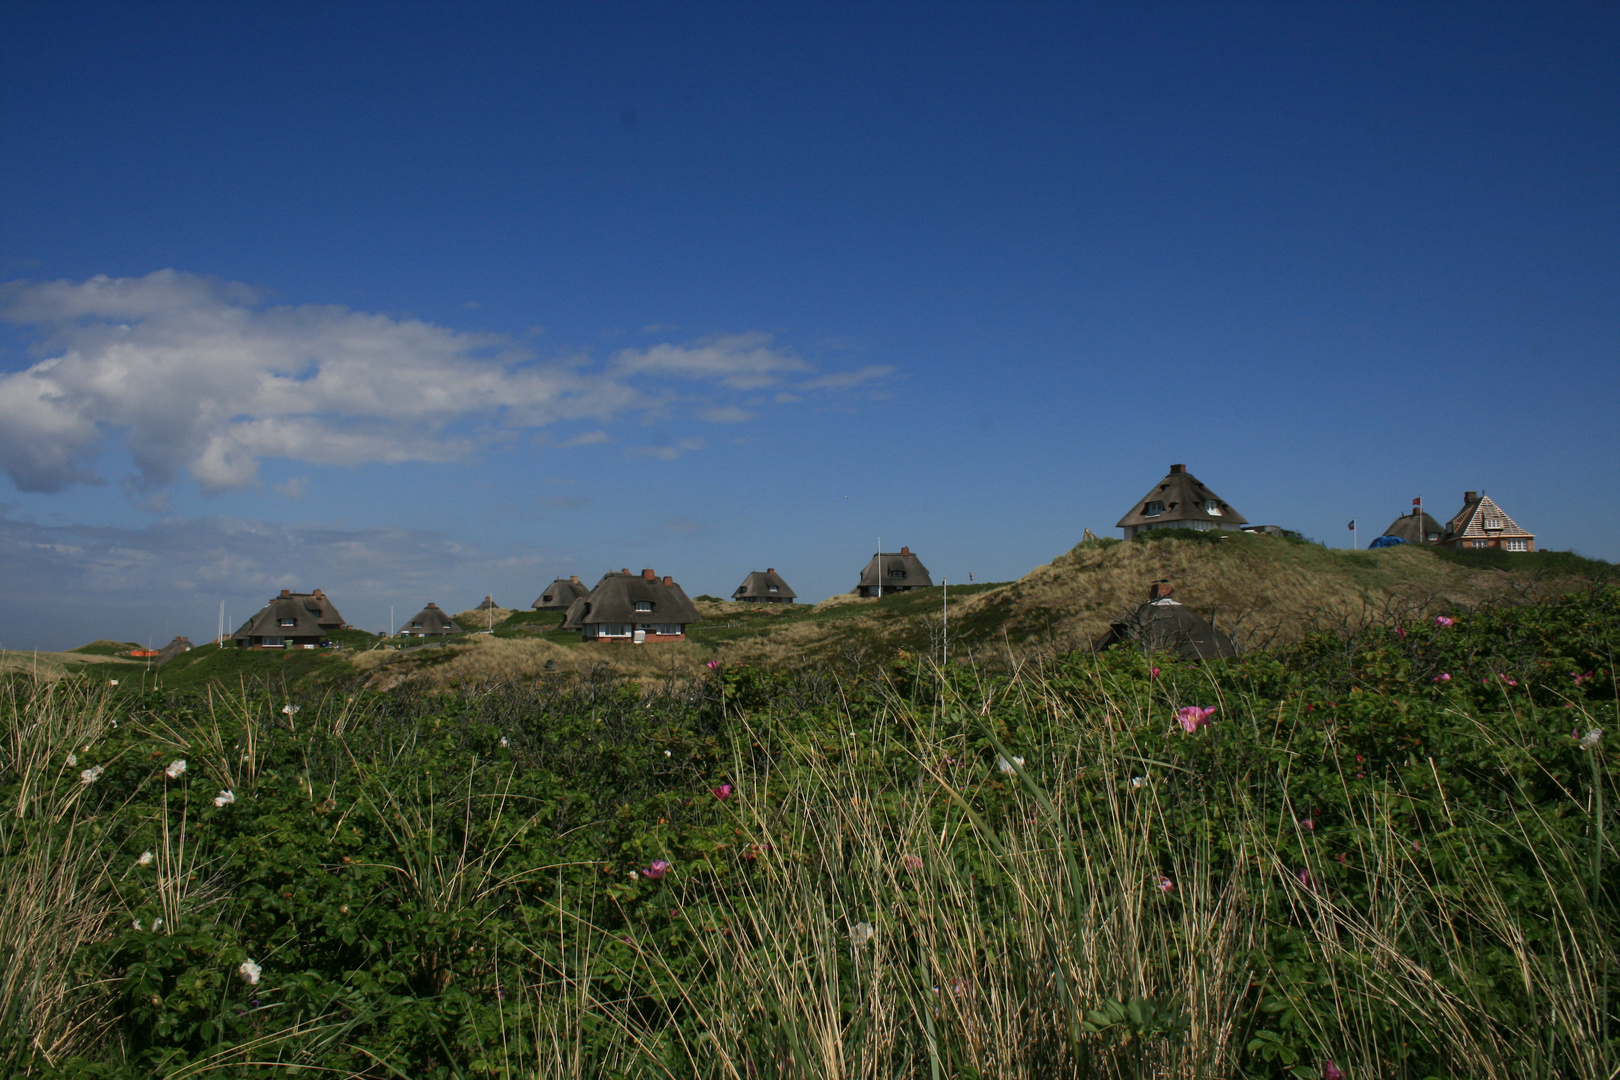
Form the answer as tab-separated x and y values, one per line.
668	580
1160	590
770	569
1177	470
904	550
648	575
624	570
286	592
575	579
316	594
1470	496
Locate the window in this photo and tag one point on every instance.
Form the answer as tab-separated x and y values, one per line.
772	588
1434	538
1479	543
609	629
286	622
272	643
643	605
416	624
1517	545
1495	523
897	573
666	629
1153	509
1212	508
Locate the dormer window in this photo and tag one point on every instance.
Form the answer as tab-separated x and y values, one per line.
1212	508
416	624
286	622
897	573
1153	509
1495	523
772	588
644	605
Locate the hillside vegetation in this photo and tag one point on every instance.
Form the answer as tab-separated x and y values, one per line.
1382	852
1264	591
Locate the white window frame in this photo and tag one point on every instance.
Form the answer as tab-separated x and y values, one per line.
1153	508
1212	508
644	605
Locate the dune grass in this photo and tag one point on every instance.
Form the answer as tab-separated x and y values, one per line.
1354	867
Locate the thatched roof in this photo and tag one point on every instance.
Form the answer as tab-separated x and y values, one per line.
896	570
320	605
1480	518
489	604
1165	625
615	598
173	649
766	586
285	617
1180	500
1416	528
560	593
430	620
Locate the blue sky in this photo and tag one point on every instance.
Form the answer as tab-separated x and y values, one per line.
427	301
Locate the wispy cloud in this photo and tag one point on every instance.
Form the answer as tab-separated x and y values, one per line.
192	374
668	451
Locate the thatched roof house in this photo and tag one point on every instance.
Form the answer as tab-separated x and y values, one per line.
1180	501
892	572
560	593
632	607
1416	528
1481	524
173	649
429	622
1165	625
766	588
319	605
489	604
287	622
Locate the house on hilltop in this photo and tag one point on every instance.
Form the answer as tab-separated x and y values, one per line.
173	649
1180	501
319	605
1166	625
1481	525
766	588
287	622
892	572
560	593
1416	528
431	621
639	608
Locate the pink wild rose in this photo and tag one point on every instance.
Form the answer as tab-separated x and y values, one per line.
1165	884
712	665
1192	717
722	792
1444	620
657	869
1331	1071
913	863
1153	673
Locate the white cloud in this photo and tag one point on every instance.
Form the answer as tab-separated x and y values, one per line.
293	487
739	361
194	375
725	414
844	380
668	451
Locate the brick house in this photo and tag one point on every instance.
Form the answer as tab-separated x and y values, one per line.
1482	525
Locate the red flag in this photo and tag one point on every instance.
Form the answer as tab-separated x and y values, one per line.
1418	501
1352	525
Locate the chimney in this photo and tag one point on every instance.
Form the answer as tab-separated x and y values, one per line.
1160	590
286	592
1178	470
904	550
648	575
1470	496
316	593
770	569
575	579
668	580
625	570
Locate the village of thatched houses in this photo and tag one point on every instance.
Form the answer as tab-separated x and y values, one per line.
892	572
291	621
766	588
634	608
